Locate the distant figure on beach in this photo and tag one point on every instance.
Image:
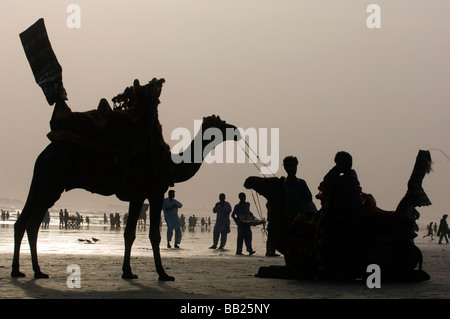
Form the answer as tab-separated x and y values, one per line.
66	217
443	229
170	208
435	228
111	220
142	221
46	222
192	222
183	222
203	222
340	191
240	213
61	218
222	209
117	220
105	219
429	230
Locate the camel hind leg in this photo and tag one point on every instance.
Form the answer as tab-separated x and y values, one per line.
29	221
129	237
44	192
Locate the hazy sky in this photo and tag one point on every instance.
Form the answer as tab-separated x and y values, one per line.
311	68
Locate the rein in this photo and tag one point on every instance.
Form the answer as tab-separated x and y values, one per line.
257	200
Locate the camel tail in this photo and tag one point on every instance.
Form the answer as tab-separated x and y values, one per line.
415	195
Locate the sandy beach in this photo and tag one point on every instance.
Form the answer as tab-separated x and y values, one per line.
200	272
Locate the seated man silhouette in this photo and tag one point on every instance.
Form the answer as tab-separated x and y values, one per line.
341	200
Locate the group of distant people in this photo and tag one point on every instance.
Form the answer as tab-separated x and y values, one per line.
65	218
223	210
192	222
114	220
5	215
442	231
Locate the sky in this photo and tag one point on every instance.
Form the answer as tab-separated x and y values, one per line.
312	69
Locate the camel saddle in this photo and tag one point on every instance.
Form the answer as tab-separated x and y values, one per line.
129	128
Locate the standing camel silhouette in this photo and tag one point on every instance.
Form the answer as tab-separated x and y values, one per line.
132	178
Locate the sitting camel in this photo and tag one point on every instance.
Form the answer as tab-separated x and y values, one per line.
386	240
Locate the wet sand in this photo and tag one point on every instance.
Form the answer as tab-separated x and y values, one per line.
200	272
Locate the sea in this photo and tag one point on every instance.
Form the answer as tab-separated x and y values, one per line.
99	238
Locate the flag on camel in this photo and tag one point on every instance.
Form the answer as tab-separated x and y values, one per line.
44	64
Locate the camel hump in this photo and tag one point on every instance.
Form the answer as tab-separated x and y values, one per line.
132	127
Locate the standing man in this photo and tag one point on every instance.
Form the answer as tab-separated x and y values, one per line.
298	197
61	218
222	226
170	207
241	213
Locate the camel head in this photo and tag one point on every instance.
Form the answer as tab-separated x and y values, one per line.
229	131
269	187
252	182
150	92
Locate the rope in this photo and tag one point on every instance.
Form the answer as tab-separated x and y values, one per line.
258	207
259	210
257	203
251	159
257	156
441	151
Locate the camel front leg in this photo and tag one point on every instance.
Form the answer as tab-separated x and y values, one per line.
129	237
155	235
